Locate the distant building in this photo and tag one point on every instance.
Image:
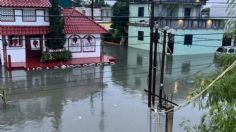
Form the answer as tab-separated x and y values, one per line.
221	12
183	17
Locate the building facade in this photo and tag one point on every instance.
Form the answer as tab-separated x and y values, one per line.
192	34
23	27
83	34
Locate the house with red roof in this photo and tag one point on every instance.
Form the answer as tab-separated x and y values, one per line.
83	34
23	26
25	23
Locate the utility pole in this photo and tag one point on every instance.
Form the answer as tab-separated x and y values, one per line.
156	39
150	75
162	70
92	6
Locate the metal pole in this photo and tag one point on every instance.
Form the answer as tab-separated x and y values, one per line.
155	65
92	6
162	70
150	77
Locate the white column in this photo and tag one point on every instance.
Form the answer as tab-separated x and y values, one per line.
44	46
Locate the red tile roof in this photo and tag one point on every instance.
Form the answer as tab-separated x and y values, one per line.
77	23
23	30
25	3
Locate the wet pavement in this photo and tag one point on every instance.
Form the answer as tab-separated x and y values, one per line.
92	99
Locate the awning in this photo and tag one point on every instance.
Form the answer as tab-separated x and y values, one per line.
23	30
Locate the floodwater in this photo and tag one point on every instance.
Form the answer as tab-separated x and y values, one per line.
93	99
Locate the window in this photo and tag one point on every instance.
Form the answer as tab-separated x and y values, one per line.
15	41
187	12
46	16
89	43
188	39
141	11
75	43
7	15
140	35
29	15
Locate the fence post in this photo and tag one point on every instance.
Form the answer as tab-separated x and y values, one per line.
9	63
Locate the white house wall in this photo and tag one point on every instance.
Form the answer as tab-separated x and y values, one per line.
82	54
18	19
18	54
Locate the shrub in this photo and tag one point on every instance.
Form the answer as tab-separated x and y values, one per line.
46	57
56	56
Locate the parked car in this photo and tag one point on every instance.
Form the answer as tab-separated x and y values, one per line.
226	50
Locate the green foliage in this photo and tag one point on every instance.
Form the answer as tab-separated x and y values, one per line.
55	37
46	57
79	3
121	8
207	9
4	94
99	3
219	100
56	56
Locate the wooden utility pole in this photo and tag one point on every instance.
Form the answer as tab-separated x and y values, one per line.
150	75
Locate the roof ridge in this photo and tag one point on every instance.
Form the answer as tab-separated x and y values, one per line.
72	11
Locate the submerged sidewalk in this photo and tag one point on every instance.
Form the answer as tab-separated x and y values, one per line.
35	64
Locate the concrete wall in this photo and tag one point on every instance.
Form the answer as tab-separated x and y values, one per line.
18	19
133	39
133	12
82	54
202	44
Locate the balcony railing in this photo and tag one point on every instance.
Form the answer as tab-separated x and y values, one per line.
185	23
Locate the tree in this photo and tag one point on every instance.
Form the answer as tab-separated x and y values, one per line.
219	99
119	22
79	3
56	37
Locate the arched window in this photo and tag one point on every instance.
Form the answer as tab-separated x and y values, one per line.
89	43
75	43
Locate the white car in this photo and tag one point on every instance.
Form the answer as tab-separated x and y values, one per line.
226	50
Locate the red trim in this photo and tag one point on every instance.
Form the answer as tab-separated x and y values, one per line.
14	15
25	3
24	30
35	11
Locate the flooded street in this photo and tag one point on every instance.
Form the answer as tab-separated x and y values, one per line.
92	99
